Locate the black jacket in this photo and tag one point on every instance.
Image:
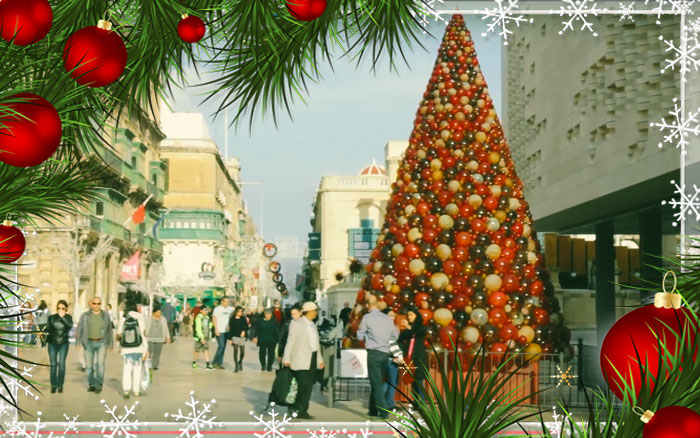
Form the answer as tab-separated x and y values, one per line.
236	326
418	355
267	332
58	329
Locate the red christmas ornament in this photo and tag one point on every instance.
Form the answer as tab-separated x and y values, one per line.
306	10
191	29
671	422
31	138
640	328
27	21
12	243
95	55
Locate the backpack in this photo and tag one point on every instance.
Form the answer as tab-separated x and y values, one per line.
131	335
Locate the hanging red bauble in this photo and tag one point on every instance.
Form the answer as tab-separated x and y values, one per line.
27	21
31	136
12	243
671	422
95	55
639	333
191	29
306	10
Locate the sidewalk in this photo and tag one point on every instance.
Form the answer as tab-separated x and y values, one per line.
236	394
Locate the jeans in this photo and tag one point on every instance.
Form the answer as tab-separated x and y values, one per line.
392	380
267	351
57	359
377	364
154	349
95	353
219	356
131	373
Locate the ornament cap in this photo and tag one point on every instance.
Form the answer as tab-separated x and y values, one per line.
104	24
184	16
7	222
665	299
646	416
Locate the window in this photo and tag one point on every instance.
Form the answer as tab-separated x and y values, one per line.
99	208
133	162
366	223
154	177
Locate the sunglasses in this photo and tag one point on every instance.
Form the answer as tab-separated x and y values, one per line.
96	304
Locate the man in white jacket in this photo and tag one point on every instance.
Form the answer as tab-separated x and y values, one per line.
131	334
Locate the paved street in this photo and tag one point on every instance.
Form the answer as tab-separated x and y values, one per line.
236	393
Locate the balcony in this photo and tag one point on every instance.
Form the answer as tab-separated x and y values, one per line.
140	240
138	181
115	230
153	245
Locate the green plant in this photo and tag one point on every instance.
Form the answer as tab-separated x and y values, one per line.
474	401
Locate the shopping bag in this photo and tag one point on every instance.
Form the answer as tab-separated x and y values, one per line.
292	394
146	374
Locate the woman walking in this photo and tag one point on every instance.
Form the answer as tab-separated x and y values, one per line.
131	334
58	327
238	329
412	342
267	335
158	334
41	317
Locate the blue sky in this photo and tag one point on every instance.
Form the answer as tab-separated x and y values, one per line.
348	117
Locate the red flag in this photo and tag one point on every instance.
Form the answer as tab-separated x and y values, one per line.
131	270
139	214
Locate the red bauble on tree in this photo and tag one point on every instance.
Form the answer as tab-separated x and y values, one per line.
306	10
638	334
12	243
95	55
32	135
671	422
27	21
191	29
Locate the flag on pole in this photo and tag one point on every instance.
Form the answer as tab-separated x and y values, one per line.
139	214
158	222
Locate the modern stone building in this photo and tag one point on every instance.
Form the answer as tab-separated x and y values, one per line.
577	118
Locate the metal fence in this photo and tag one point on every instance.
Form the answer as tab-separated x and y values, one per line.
543	375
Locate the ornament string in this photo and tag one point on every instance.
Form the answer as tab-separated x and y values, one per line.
665	299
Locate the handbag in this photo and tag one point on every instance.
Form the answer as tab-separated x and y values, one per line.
409	367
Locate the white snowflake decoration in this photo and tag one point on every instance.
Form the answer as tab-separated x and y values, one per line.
554	427
428	10
680	129
323	433
119	425
687	203
577	10
196	418
626	11
501	16
275	427
16	428
677	7
22	428
71	424
363	432
694	27
686	55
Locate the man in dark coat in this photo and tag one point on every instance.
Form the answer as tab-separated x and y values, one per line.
267	337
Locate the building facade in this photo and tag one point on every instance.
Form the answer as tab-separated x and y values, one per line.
84	255
348	213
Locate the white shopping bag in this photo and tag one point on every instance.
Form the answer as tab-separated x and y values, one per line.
146	374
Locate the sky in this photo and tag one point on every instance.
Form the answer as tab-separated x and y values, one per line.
349	116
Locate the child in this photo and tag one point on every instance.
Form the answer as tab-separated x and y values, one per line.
202	335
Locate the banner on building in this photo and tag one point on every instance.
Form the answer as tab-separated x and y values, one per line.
131	270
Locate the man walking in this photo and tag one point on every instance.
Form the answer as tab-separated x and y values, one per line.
94	334
168	312
220	318
302	354
379	332
268	337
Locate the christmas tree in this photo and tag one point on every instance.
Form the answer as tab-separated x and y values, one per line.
458	240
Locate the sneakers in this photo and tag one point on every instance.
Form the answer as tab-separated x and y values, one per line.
98	389
209	367
126	395
91	389
194	365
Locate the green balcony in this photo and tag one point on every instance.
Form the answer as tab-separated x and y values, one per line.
115	230
153	245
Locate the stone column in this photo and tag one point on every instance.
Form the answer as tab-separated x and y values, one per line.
605	277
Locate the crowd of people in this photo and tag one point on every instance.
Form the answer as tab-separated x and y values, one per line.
288	338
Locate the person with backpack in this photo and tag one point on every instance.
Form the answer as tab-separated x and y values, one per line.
131	335
202	336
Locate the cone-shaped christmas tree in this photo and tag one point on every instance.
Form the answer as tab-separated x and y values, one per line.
458	241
